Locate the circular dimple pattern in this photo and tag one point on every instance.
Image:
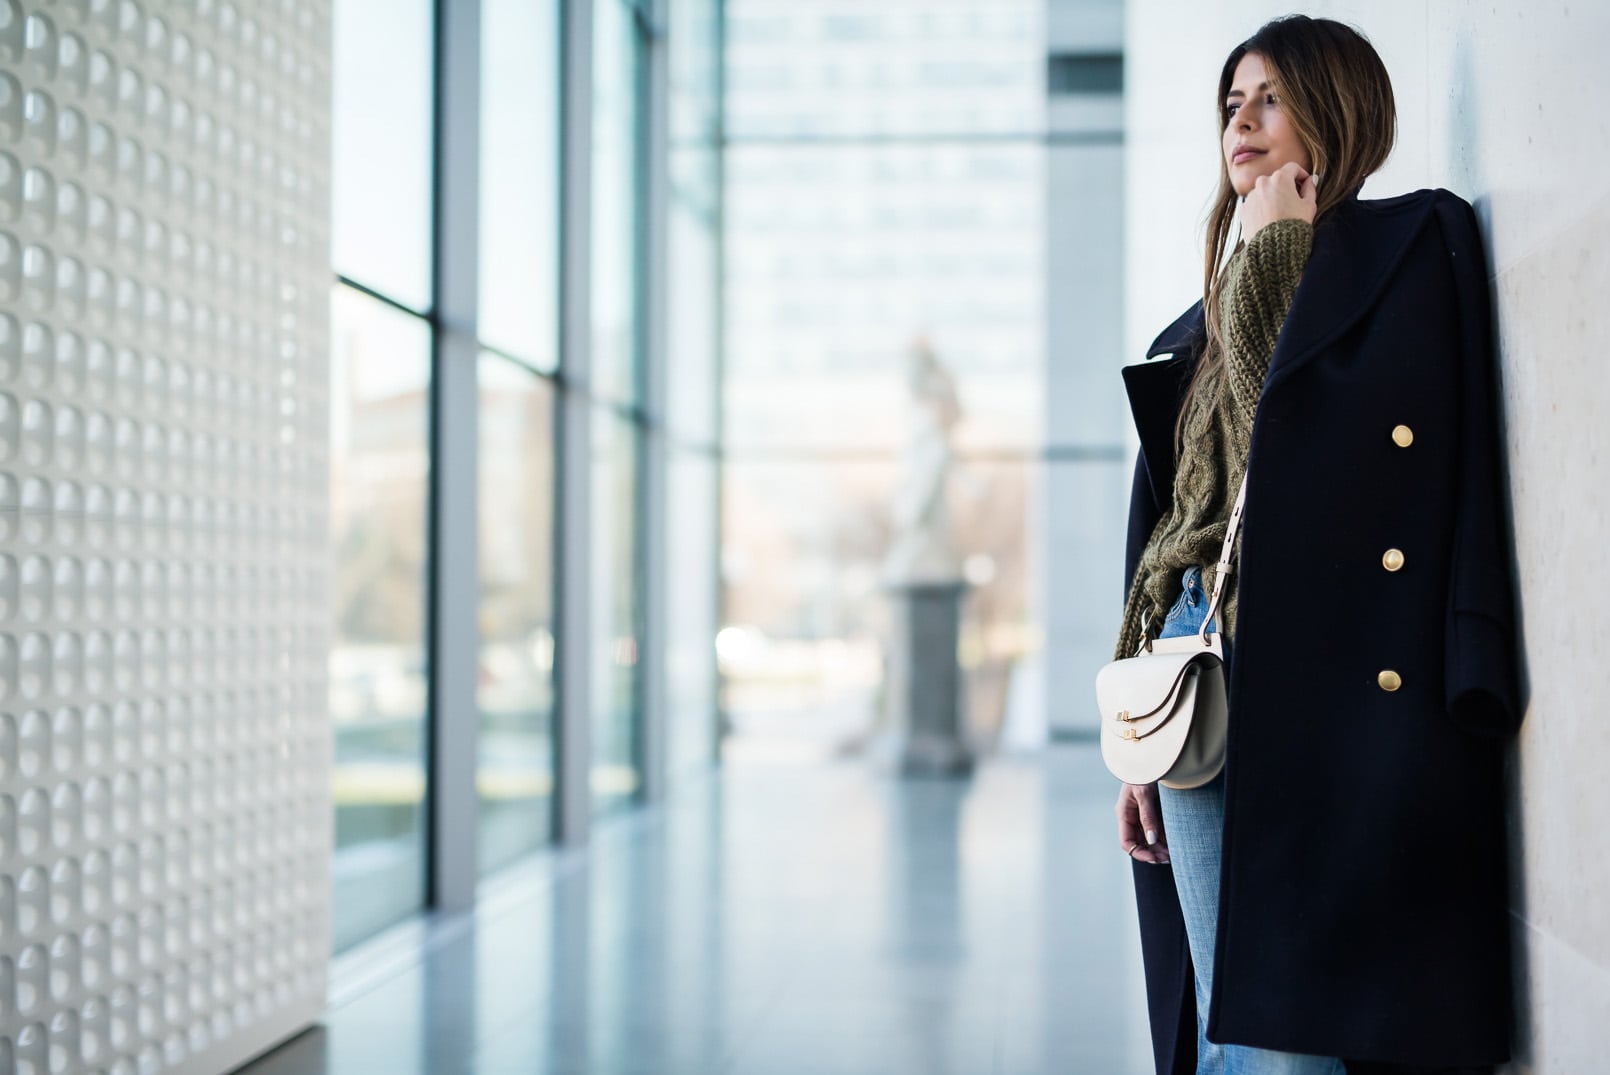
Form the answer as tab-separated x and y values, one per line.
10	347
163	430
11	189
11	107
10	268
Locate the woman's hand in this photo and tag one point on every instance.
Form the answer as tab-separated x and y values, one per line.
1287	193
1140	823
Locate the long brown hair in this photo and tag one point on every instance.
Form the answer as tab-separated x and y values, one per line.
1335	91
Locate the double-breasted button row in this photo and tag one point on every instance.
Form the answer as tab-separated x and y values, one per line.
1392	560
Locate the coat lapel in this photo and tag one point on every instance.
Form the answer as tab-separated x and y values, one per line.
1156	390
1356	247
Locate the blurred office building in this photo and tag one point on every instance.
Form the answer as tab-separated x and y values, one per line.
899	172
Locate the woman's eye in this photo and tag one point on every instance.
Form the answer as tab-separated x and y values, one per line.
1229	110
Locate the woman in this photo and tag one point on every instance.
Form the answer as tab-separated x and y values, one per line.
1335	899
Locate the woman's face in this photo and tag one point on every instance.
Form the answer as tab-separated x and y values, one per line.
1257	124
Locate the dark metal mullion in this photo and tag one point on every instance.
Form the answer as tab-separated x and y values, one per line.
555	377
572	430
650	28
632	411
433	441
522	361
645	37
453	640
427	315
719	596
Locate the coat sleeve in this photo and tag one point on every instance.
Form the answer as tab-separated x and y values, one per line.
1481	678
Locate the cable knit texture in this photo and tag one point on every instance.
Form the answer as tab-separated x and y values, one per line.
1258	284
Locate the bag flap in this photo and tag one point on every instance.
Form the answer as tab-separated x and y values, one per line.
1143	686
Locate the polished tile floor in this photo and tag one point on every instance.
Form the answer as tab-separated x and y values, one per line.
778	920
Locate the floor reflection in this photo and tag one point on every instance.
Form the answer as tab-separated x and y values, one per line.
779	920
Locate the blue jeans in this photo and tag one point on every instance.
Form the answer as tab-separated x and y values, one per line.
1193	822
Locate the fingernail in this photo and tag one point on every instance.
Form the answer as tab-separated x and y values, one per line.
1151	836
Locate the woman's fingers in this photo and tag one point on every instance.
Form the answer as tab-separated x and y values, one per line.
1284	193
1296	171
1151	814
1157	856
1140	826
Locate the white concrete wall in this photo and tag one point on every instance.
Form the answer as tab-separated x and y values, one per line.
164	327
1503	102
1087	465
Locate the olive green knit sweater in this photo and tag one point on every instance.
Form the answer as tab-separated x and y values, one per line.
1258	284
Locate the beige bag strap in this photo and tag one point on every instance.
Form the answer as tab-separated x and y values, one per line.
1222	572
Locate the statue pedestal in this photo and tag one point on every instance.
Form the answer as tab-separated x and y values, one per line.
923	715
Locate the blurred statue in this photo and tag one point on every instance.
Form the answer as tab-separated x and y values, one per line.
924	548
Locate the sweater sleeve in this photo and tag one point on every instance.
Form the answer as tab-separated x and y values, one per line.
1258	290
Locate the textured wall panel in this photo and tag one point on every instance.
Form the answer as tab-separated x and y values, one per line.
164	282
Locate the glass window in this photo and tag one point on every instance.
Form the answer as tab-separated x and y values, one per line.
975	67
691	387
380	463
802	649
514	683
520	179
616	169
694	67
829	293
381	147
691	606
615	610
693	311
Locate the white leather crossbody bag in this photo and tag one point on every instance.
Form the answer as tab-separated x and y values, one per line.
1164	711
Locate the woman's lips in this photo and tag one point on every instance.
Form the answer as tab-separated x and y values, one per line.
1247	154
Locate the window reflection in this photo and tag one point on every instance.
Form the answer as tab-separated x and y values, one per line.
693	312
802	648
379	448
514	680
616	168
826	291
691	606
615	610
692	326
694	106
519	178
381	146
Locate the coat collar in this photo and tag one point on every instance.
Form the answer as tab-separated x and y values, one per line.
1357	246
1182	335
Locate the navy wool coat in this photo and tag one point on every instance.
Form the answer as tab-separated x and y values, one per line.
1373	675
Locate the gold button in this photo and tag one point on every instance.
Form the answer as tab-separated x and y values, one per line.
1402	436
1389	680
1392	559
